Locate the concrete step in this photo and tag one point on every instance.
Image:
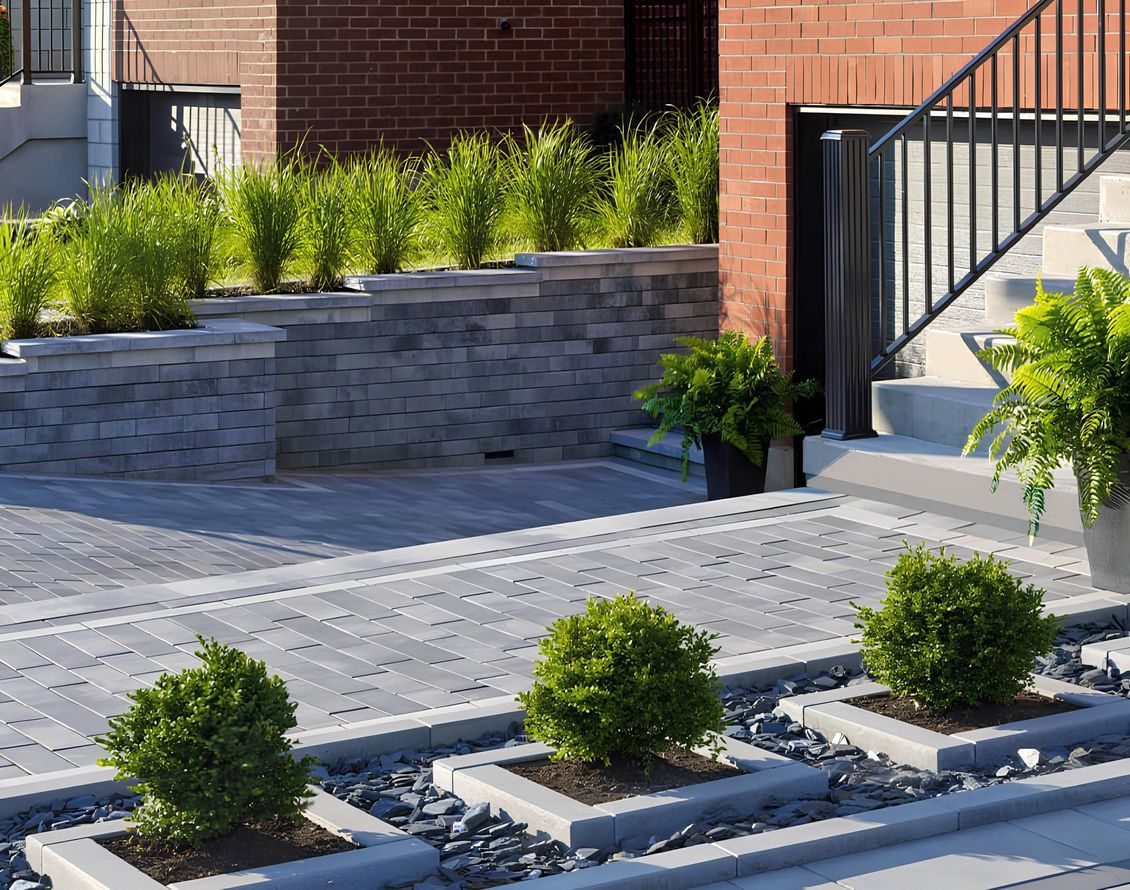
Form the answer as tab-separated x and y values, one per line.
1114	199
631	444
933	409
1069	248
667	454
925	475
1004	297
953	355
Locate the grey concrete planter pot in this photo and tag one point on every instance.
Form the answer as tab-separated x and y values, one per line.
1108	542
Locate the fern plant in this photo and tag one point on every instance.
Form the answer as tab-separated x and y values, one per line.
1069	397
727	387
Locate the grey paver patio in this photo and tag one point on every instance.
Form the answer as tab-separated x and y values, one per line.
59	537
395	632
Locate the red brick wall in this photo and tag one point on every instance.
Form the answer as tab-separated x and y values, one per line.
777	55
417	71
345	74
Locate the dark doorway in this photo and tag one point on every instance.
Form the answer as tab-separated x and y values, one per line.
671	53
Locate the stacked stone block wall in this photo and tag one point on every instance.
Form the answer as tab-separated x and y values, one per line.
177	405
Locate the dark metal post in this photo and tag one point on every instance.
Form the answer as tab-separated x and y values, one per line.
847	284
25	43
76	41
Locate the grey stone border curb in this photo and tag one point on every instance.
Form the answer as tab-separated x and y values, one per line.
831	712
73	860
483	777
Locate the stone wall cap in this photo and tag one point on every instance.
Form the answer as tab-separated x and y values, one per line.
218	332
211	306
617	255
450	278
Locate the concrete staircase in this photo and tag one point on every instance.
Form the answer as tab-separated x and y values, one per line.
923	422
42	142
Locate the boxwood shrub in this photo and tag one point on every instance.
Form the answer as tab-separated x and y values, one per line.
953	633
208	749
625	679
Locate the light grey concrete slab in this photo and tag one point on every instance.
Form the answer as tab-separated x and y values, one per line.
988	857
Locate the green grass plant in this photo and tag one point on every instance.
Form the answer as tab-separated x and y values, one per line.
264	216
95	260
195	214
157	235
693	152
552	181
466	200
327	223
637	205
388	206
28	270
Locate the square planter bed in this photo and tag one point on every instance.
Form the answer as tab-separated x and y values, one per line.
631	821
74	860
832	713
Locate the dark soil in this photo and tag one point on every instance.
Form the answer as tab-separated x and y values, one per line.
592	783
254	845
1026	706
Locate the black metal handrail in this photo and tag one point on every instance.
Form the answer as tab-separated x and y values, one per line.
50	40
998	89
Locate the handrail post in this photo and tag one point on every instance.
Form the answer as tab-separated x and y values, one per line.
847	284
76	41
25	36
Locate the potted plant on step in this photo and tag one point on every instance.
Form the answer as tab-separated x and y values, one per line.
731	398
1069	402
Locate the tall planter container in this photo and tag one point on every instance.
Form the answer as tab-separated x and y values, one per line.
1108	541
729	473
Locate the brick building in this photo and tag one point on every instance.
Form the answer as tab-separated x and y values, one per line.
229	79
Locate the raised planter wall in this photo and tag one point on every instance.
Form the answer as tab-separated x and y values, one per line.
454	368
534	363
195	404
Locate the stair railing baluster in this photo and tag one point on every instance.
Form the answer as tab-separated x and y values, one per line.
1038	121
1082	106
972	171
949	189
994	156
1100	11
1059	95
1016	87
905	236
928	214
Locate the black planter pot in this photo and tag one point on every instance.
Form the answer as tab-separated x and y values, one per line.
729	473
1108	543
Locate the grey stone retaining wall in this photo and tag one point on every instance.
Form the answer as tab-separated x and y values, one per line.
450	368
193	404
537	363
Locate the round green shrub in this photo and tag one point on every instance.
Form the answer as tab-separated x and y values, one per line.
953	633
208	749
623	680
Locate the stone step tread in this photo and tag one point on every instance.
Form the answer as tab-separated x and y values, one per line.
942	388
669	446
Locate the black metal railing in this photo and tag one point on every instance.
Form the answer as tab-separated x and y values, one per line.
964	177
671	52
45	40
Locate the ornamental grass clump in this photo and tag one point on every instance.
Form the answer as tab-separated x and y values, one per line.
466	200
157	234
387	205
624	680
96	247
28	270
552	185
209	750
327	233
194	213
955	634
636	207
693	151
264	210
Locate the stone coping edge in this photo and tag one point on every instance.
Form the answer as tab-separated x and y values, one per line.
218	332
73	859
607	256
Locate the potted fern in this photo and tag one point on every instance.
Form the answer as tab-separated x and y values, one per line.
1069	402
731	398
